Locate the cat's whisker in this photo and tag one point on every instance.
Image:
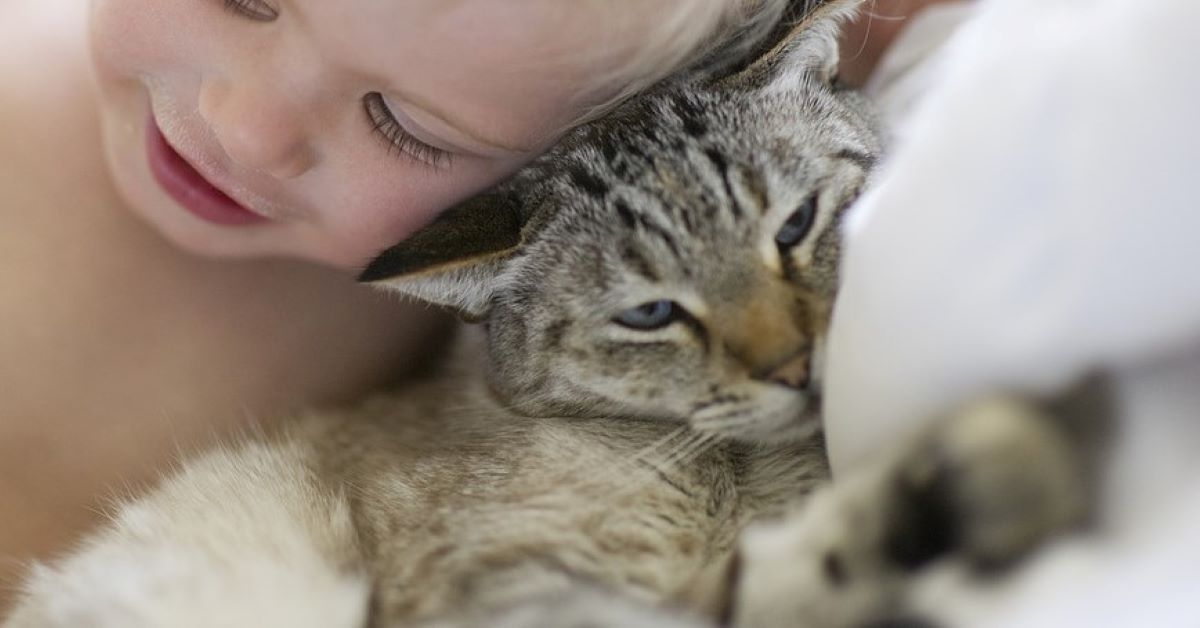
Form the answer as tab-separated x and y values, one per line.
724	418
701	446
634	466
663	456
726	421
682	452
653	456
658	444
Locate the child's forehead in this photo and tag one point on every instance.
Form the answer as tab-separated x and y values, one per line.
546	34
515	70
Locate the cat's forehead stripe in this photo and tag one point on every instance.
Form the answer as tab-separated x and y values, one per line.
636	221
722	167
588	182
636	261
692	115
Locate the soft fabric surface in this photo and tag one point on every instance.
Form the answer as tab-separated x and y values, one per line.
1040	216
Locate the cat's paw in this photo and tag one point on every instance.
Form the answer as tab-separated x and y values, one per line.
984	487
821	566
988	485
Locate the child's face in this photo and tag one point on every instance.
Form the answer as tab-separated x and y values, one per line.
330	129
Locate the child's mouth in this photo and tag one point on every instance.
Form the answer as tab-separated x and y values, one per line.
189	188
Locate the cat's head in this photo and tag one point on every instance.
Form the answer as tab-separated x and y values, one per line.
676	260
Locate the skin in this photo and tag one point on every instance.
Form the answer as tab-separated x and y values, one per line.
131	329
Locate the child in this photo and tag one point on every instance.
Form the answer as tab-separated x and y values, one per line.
187	187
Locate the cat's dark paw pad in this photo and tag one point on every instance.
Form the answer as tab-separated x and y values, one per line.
990	484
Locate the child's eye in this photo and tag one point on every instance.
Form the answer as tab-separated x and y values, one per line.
398	138
253	9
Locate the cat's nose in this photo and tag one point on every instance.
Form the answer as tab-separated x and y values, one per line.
793	372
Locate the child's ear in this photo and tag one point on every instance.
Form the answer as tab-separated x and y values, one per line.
457	260
803	48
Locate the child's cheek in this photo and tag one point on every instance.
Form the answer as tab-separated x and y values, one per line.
134	40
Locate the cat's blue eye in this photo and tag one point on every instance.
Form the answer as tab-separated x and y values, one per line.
649	316
797	225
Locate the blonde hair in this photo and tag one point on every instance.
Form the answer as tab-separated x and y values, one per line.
688	34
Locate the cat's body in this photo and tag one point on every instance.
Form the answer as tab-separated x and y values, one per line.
464	506
439	503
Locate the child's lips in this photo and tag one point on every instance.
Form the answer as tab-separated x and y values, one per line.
191	189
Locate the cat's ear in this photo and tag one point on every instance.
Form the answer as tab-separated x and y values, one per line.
803	48
457	260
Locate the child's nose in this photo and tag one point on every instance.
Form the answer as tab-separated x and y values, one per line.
257	127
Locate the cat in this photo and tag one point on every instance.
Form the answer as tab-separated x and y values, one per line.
655	293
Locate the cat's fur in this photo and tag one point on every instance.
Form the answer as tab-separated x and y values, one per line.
569	468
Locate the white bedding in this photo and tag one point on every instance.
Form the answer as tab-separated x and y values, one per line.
1040	215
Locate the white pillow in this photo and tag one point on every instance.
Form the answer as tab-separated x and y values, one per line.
1040	215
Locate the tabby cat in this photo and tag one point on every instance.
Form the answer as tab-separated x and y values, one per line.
655	293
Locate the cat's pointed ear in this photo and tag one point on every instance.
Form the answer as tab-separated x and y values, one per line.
804	47
456	261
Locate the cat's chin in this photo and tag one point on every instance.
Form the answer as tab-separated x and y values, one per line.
794	432
778	418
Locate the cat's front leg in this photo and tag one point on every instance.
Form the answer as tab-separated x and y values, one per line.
244	537
984	488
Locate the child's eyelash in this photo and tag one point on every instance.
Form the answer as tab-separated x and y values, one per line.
253	9
398	138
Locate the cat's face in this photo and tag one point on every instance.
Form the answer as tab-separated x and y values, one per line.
676	261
